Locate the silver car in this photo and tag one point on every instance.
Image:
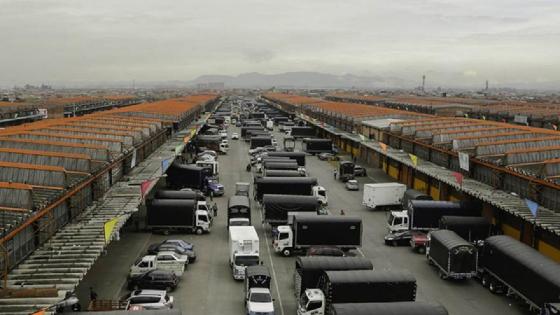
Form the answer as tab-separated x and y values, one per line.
150	300
352	184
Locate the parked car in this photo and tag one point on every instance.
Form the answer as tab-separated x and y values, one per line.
181	243
150	300
327	157
359	171
325	251
352	184
235	136
155	279
238	124
171	247
208	152
399	239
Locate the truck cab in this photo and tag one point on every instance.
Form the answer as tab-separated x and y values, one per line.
312	302
212	165
284	240
162	261
203	221
397	221
244	249
321	193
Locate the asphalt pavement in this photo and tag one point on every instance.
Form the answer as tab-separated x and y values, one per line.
209	288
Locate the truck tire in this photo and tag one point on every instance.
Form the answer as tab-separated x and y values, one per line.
199	231
286	252
421	249
485	280
493	287
394	243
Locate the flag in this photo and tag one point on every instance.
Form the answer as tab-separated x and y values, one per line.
414	159
554	127
179	149
362	137
383	146
458	178
483	117
145	187
533	206
108	228
464	160
40	312
165	165
133	160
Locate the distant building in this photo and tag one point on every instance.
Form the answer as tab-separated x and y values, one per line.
211	86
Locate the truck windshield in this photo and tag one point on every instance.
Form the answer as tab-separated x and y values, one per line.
260	298
246	260
394	220
322	193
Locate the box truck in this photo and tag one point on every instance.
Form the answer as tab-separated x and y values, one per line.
276	207
239	211
453	256
286	185
243	249
176	214
383	195
316	145
388	308
472	229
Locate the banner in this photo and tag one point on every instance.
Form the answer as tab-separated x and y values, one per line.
146	186
414	159
133	161
533	207
108	228
179	149
458	178
165	165
362	137
464	160
383	146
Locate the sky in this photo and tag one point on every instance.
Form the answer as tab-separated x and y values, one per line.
458	41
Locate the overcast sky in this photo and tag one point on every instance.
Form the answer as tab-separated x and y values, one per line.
120	40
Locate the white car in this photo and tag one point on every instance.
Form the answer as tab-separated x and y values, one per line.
235	136
150	300
260	302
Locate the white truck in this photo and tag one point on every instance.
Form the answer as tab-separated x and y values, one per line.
270	125
162	261
321	193
243	249
258	299
383	195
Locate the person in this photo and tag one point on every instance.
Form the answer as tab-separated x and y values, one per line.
335	173
92	294
215	209
342	212
211	195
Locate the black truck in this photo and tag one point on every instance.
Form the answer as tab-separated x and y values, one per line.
239	211
302	132
453	256
187	176
507	265
280	165
276	207
179	194
345	171
176	214
472	229
298	156
317	145
413	194
260	141
283	173
286	185
244	130
305	230
425	214
388	308
310	268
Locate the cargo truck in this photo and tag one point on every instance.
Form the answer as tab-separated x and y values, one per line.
309	269
186	176
383	195
270	125
388	308
344	232
356	286
316	145
260	141
287	185
176	214
276	207
212	142
258	299
239	211
243	249
424	215
298	156
345	171
283	173
302	132
179	194
453	256
472	229
509	266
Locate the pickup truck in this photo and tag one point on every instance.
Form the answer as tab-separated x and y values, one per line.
163	261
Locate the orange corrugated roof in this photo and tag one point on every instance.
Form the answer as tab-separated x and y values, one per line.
47	153
57	143
6	185
32	166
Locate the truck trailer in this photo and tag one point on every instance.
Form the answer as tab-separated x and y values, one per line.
310	268
454	257
507	265
260	141
357	286
388	308
317	145
302	132
472	229
344	232
176	214
276	207
186	176
286	185
298	156
383	195
283	173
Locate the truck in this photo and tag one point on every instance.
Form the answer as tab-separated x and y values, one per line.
243	249
242	189
298	156
344	232
388	308
177	214
179	194
383	195
162	261
258	299
286	185
357	286
280	165
413	194
317	145
472	229
211	142
186	176
260	141
276	207
283	173
424	215
507	265
309	269
345	171
289	144
302	132
270	125
239	211
247	128
453	256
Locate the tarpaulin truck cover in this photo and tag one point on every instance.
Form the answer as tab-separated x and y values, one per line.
390	308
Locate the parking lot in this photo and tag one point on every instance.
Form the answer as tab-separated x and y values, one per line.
207	287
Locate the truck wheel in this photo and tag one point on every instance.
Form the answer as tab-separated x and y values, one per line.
493	286
422	250
442	275
286	252
394	243
199	231
485	281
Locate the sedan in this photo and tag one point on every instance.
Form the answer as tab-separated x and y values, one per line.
154	279
401	238
327	157
150	300
359	171
170	247
352	184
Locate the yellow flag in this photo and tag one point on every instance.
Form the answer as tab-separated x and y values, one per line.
109	227
414	159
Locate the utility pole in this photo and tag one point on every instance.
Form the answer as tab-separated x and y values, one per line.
423	83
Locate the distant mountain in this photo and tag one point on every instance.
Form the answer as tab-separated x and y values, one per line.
302	80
